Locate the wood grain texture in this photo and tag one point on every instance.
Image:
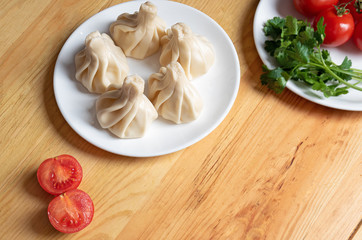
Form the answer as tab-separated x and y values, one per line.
278	166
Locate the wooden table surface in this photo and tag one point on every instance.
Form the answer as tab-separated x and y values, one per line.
277	167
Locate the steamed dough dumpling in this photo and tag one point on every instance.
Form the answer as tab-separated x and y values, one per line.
173	95
126	112
139	34
194	52
101	65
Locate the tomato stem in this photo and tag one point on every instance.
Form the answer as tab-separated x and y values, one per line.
358	6
342	9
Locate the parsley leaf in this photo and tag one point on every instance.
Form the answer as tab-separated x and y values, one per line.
276	79
274	27
296	47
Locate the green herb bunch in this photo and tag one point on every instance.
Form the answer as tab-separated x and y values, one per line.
295	45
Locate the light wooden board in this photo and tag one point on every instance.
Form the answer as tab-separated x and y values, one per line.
278	166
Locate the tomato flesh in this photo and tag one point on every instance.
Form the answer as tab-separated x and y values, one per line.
71	211
310	8
59	174
357	37
339	29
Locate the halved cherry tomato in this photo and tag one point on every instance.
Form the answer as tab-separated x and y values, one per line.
357	37
71	211
355	8
59	174
339	26
310	8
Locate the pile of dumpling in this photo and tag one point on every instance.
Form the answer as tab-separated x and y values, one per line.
123	107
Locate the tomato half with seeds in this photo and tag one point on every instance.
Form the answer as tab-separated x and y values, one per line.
71	211
59	174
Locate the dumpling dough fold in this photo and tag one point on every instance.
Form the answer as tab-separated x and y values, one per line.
173	95
126	112
194	52
101	66
139	34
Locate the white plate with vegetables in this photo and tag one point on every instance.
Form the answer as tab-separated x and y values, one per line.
268	9
218	87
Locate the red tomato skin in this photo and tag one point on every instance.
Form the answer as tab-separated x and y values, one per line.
46	174
357	36
78	203
339	29
356	16
311	8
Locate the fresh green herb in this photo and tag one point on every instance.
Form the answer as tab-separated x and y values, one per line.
295	45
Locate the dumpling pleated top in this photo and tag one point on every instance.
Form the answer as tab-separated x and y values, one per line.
101	66
139	34
126	112
194	52
173	95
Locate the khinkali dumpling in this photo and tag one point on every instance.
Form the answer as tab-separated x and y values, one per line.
173	95
101	65
126	112
139	34
194	52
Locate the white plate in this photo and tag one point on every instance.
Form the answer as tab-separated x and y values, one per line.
218	87
268	9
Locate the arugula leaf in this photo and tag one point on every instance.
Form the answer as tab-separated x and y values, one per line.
296	47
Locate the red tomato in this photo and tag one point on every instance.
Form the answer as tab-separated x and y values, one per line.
339	29
71	211
59	174
310	8
355	11
357	37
